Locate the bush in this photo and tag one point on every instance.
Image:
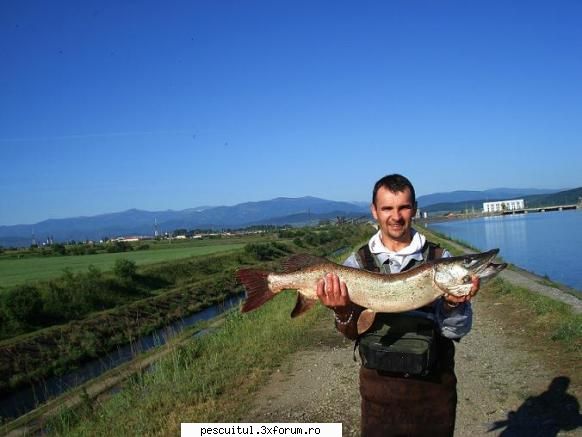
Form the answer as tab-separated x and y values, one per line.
282	247
299	242
23	304
125	269
119	246
261	251
312	239
59	249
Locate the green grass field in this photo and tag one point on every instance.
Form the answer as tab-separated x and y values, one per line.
17	271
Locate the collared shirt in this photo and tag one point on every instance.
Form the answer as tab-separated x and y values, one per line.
400	259
454	324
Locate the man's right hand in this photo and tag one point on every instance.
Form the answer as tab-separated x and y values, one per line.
333	293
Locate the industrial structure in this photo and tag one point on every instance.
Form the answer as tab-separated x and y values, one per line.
503	205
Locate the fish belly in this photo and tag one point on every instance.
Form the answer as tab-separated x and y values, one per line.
396	296
304	282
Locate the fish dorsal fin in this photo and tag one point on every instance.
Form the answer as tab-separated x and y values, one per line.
300	261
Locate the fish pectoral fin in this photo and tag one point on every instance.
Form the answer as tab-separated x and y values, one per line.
303	304
365	320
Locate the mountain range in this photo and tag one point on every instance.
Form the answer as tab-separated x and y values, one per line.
484	196
535	198
279	211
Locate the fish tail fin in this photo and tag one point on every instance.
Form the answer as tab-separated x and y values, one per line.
257	286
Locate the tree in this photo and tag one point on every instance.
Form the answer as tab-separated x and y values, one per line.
59	249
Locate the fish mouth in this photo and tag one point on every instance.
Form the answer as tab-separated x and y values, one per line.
490	270
477	262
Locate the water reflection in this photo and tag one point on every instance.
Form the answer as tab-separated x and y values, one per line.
505	232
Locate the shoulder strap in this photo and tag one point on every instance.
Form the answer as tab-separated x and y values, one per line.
366	259
431	251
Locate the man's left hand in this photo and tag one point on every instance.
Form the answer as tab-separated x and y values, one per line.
454	301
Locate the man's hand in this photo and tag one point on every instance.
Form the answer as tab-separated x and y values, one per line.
453	301
333	293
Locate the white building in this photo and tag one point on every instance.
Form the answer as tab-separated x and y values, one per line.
503	205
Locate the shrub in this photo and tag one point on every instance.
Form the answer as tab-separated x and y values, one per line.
22	304
261	251
119	246
125	269
299	242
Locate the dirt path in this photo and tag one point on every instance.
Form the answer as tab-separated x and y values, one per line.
500	373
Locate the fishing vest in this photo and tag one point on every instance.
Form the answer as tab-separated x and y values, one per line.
400	343
369	262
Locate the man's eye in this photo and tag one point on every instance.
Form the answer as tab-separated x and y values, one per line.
466	279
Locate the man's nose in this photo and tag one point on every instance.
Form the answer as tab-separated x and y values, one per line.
396	215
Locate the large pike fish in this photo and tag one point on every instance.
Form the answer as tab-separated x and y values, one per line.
376	292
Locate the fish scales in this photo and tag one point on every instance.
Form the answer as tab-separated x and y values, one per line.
384	293
375	292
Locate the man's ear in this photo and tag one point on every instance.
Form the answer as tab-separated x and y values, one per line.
373	211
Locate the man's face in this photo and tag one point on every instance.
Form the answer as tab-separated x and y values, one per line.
394	213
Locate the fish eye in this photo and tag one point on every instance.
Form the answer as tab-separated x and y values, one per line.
466	279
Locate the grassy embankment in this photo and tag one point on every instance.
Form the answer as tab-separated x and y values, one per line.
50	326
209	379
196	282
213	378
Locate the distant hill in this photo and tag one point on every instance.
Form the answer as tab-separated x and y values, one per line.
565	197
279	211
483	196
137	222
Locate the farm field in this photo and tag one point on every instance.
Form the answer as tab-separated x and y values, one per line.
16	271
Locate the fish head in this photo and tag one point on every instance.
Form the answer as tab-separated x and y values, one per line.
454	275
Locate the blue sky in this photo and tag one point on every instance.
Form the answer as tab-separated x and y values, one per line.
112	105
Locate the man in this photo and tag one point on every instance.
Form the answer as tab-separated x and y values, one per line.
393	403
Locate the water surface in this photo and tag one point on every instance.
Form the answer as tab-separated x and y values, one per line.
548	243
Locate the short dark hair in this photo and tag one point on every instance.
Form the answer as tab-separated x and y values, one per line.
395	183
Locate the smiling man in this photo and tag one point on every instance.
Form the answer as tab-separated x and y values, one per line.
403	392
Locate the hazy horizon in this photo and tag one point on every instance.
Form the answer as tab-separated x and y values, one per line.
204	207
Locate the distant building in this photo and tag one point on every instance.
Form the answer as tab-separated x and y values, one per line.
127	239
503	205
